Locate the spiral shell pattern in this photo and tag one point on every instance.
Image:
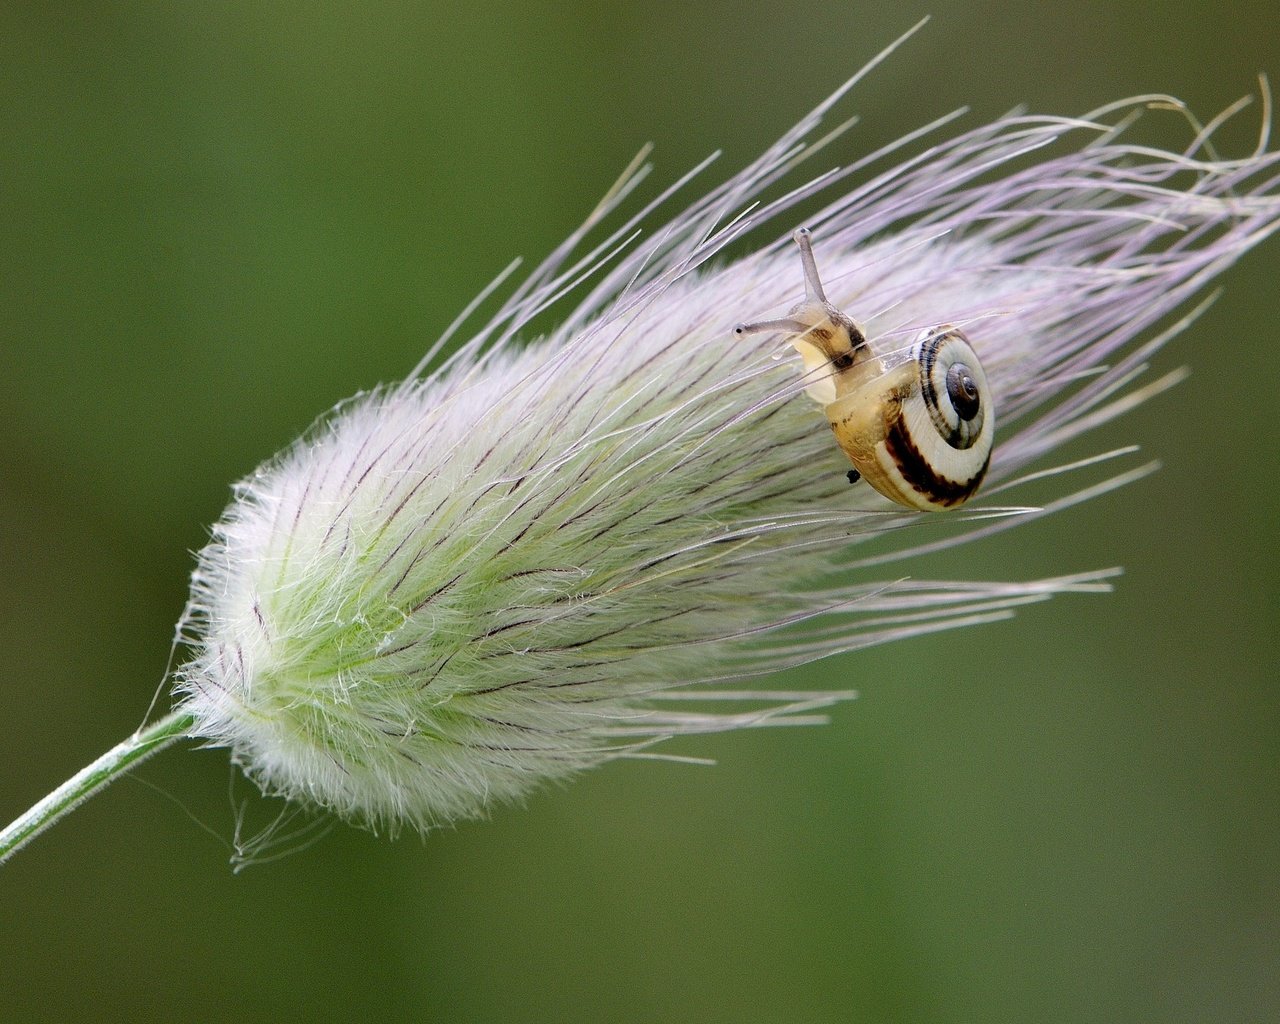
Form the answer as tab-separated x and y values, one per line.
938	424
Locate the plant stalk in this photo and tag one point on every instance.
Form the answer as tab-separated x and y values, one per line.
91	778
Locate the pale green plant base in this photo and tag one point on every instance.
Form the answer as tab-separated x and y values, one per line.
92	777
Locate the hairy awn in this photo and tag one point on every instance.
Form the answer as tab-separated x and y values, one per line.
544	555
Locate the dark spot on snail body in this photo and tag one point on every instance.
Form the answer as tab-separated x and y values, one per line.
842	360
917	471
962	389
854	476
857	340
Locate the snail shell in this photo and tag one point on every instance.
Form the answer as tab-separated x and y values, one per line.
919	431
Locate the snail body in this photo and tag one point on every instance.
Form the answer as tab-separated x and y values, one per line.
918	430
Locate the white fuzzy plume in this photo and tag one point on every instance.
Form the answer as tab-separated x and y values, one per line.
521	564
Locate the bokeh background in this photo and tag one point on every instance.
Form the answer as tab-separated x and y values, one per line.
218	219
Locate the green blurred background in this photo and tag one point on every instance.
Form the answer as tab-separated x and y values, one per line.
217	220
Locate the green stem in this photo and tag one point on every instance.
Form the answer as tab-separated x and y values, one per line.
91	778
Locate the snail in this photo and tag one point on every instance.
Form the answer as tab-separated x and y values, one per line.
919	431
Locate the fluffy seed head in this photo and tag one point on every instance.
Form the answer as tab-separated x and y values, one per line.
544	555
